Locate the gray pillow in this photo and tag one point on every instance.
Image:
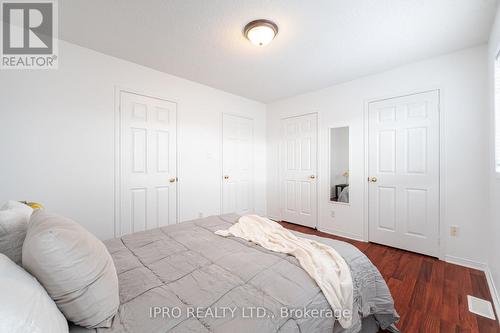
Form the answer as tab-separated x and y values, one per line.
14	218
75	268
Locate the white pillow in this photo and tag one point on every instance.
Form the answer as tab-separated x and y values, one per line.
18	207
25	307
14	217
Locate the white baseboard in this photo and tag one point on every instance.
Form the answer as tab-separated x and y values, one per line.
329	231
342	234
466	262
489	278
493	292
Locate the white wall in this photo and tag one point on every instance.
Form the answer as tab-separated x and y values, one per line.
57	136
493	245
57	141
462	78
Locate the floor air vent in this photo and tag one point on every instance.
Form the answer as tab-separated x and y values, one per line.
480	307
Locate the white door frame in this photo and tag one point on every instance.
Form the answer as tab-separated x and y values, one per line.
222	158
280	160
117	169
441	226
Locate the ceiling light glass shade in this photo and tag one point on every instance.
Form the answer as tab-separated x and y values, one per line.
261	32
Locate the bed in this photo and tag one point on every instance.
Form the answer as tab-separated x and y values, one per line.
344	195
184	278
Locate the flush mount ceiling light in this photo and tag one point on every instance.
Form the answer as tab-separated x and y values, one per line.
261	32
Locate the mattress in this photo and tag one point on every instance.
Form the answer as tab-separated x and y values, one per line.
184	278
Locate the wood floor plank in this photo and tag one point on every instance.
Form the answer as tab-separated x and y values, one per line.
430	323
434	299
450	311
409	266
375	251
419	297
447	327
480	285
466	318
430	295
438	272
412	322
390	263
486	325
425	271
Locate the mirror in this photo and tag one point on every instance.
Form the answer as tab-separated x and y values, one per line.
339	164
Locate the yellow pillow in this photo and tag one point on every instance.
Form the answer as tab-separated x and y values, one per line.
34	205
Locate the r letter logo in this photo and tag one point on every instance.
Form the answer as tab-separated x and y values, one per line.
29	35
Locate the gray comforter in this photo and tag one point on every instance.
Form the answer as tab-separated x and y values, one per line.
184	278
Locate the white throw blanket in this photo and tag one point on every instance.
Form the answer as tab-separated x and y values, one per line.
321	262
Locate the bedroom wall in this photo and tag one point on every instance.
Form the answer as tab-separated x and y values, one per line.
57	136
462	78
493	245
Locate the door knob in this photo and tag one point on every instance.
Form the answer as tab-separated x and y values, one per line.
172	180
226	177
312	176
373	179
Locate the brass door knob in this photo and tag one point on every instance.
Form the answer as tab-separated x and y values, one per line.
312	176
226	177
172	180
373	179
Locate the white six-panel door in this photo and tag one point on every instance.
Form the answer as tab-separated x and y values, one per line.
298	170
237	156
148	165
404	172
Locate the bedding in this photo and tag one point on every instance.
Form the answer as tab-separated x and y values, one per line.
328	269
75	268
185	278
14	217
344	195
24	304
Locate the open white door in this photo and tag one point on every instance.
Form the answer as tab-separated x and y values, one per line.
148	163
404	172
298	169
237	156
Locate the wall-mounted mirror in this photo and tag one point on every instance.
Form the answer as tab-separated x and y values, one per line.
339	164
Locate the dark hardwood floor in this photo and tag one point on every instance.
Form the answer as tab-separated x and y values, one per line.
430	294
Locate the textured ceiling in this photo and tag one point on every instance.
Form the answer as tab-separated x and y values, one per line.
320	43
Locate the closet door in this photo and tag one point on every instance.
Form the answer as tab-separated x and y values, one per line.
237	160
404	172
147	163
298	169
